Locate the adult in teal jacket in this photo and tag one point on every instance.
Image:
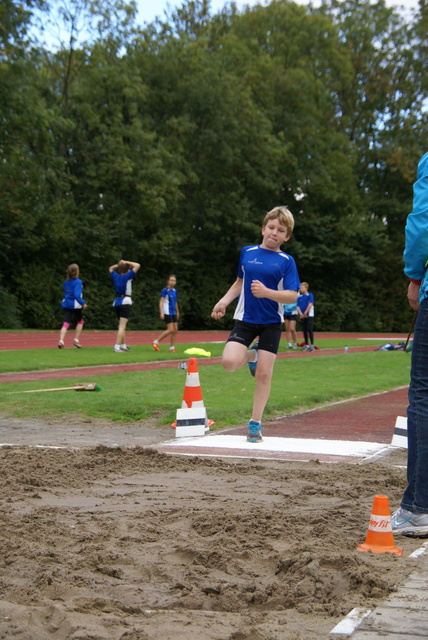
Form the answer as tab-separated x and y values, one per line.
412	517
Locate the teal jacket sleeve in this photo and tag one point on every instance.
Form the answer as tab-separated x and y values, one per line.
416	232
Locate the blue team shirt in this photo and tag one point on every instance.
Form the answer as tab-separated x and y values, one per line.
73	294
276	270
304	300
123	287
290	309
169	301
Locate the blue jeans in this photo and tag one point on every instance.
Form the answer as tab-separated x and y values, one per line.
415	497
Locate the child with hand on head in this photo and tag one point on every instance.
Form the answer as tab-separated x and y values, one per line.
122	275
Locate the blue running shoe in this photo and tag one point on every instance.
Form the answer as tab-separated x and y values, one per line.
409	523
254	431
253	365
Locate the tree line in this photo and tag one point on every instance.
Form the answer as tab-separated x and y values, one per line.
166	143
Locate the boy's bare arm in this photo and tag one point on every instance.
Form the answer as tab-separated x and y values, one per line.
219	309
133	265
259	290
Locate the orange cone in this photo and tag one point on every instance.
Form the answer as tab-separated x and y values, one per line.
192	391
192	397
379	535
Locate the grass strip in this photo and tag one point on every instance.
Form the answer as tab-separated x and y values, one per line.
298	384
42	359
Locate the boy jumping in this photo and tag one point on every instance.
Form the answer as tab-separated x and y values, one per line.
267	279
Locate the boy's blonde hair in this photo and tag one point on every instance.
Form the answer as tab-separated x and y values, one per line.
304	284
284	215
72	271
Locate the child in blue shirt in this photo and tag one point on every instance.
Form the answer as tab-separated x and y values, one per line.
306	310
290	318
122	275
168	311
267	279
72	303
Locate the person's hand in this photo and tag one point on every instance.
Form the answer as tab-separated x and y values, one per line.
85	306
413	295
218	311
258	289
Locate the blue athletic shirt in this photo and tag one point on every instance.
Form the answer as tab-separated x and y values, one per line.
416	250
123	287
169	302
290	309
73	294
304	300
276	270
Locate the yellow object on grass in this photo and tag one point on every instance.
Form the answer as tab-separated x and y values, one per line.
194	351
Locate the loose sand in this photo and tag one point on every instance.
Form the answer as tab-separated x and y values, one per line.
122	542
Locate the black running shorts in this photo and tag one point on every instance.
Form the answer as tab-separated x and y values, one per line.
245	332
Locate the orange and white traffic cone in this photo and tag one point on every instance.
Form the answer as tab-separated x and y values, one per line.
379	535
192	418
192	391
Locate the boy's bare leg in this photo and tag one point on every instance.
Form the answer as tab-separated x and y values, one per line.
79	327
169	329
120	338
293	332
264	371
174	327
235	356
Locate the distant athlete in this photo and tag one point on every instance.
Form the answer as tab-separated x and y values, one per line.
168	311
267	279
72	303
306	310
122	275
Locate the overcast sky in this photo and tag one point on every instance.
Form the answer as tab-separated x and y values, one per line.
148	10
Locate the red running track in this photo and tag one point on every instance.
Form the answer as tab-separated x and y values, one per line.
12	340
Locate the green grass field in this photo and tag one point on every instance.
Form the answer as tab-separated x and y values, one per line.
40	359
298	384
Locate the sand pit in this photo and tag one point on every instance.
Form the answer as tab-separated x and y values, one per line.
127	543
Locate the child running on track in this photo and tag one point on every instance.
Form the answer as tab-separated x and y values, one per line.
267	279
122	275
168	311
72	303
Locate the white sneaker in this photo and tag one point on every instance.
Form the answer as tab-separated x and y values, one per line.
409	523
